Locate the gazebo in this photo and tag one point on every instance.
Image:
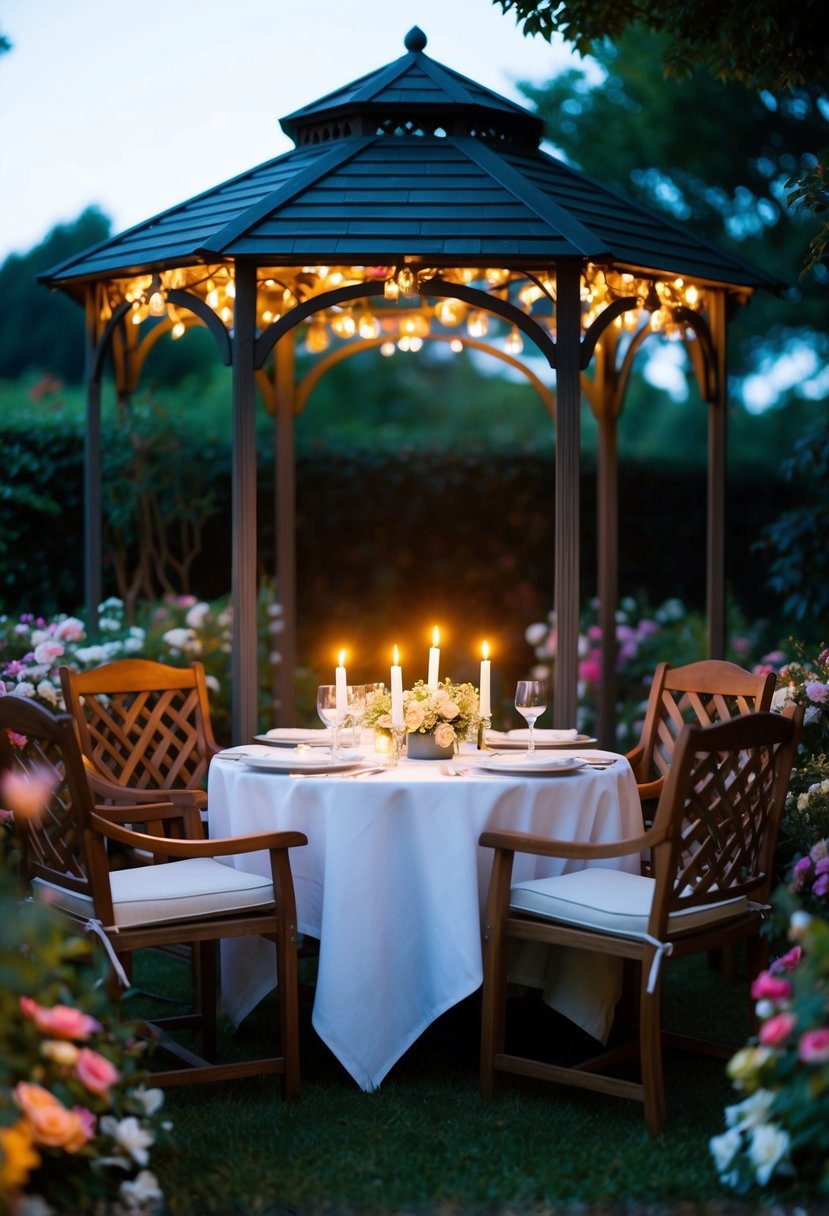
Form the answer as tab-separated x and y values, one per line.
416	204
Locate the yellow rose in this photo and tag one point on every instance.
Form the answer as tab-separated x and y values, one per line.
18	1158
59	1050
744	1066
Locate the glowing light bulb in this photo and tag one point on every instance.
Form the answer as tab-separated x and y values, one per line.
178	329
456	346
390	289
344	325
230	289
514	343
368	326
316	340
387	349
156	305
449	312
415	343
212	298
477	324
691	296
406	281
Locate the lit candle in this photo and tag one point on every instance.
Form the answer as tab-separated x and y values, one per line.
396	692
485	709
341	689
434	659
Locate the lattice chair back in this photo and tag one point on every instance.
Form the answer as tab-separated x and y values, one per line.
720	811
37	747
143	724
702	694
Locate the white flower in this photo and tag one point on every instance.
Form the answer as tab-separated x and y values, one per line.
133	645
39	636
24	689
111	602
129	1135
182	639
90	654
151	1100
769	1145
109	624
141	1190
197	615
799	923
765	1008
535	634
724	1148
212	683
753	1110
47	692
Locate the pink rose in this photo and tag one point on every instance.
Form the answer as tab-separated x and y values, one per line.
590	671
70	630
816	691
814	1046
788	961
27	793
96	1072
777	1029
47	652
770	987
61	1021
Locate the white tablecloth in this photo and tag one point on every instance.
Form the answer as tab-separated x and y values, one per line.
393	882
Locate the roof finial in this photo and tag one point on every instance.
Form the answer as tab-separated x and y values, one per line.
415	40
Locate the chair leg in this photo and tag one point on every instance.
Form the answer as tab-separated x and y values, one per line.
287	992
650	1048
493	1010
205	963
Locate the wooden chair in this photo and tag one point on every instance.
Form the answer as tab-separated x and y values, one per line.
143	726
192	897
712	845
705	692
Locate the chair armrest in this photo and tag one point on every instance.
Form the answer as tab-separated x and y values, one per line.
543	846
222	847
650	790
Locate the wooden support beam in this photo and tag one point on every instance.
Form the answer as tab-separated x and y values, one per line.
243	516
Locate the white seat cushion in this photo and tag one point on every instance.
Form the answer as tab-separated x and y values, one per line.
179	890
611	901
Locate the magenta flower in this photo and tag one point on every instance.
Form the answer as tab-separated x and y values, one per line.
770	987
775	1030
821	885
787	961
814	1046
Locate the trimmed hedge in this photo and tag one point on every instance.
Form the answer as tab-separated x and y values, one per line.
396	536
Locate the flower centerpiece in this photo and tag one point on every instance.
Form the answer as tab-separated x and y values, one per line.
442	716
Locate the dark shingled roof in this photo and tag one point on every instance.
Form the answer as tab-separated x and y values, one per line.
411	160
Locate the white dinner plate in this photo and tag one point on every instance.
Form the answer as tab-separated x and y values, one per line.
290	736
503	743
301	763
542	766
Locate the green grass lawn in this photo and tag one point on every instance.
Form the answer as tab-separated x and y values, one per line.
426	1142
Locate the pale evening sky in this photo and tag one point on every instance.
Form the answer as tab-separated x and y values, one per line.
136	107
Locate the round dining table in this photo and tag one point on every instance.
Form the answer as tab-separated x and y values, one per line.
392	884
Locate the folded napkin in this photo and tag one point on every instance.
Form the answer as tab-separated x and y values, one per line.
545	736
300	733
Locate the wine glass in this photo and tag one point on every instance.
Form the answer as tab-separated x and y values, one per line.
327	710
531	702
356	712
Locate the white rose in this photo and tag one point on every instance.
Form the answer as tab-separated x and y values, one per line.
140	1191
24	689
769	1145
414	716
535	634
197	615
130	1136
444	735
752	1111
47	692
724	1148
449	710
151	1100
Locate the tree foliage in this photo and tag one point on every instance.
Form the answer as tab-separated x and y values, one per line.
717	156
43	331
770	46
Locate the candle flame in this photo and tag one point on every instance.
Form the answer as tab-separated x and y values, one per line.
341	659
396	658
435	636
485	650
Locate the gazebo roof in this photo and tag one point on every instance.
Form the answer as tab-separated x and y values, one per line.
411	161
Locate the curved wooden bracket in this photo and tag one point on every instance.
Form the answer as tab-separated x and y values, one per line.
595	331
435	287
185	299
702	354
